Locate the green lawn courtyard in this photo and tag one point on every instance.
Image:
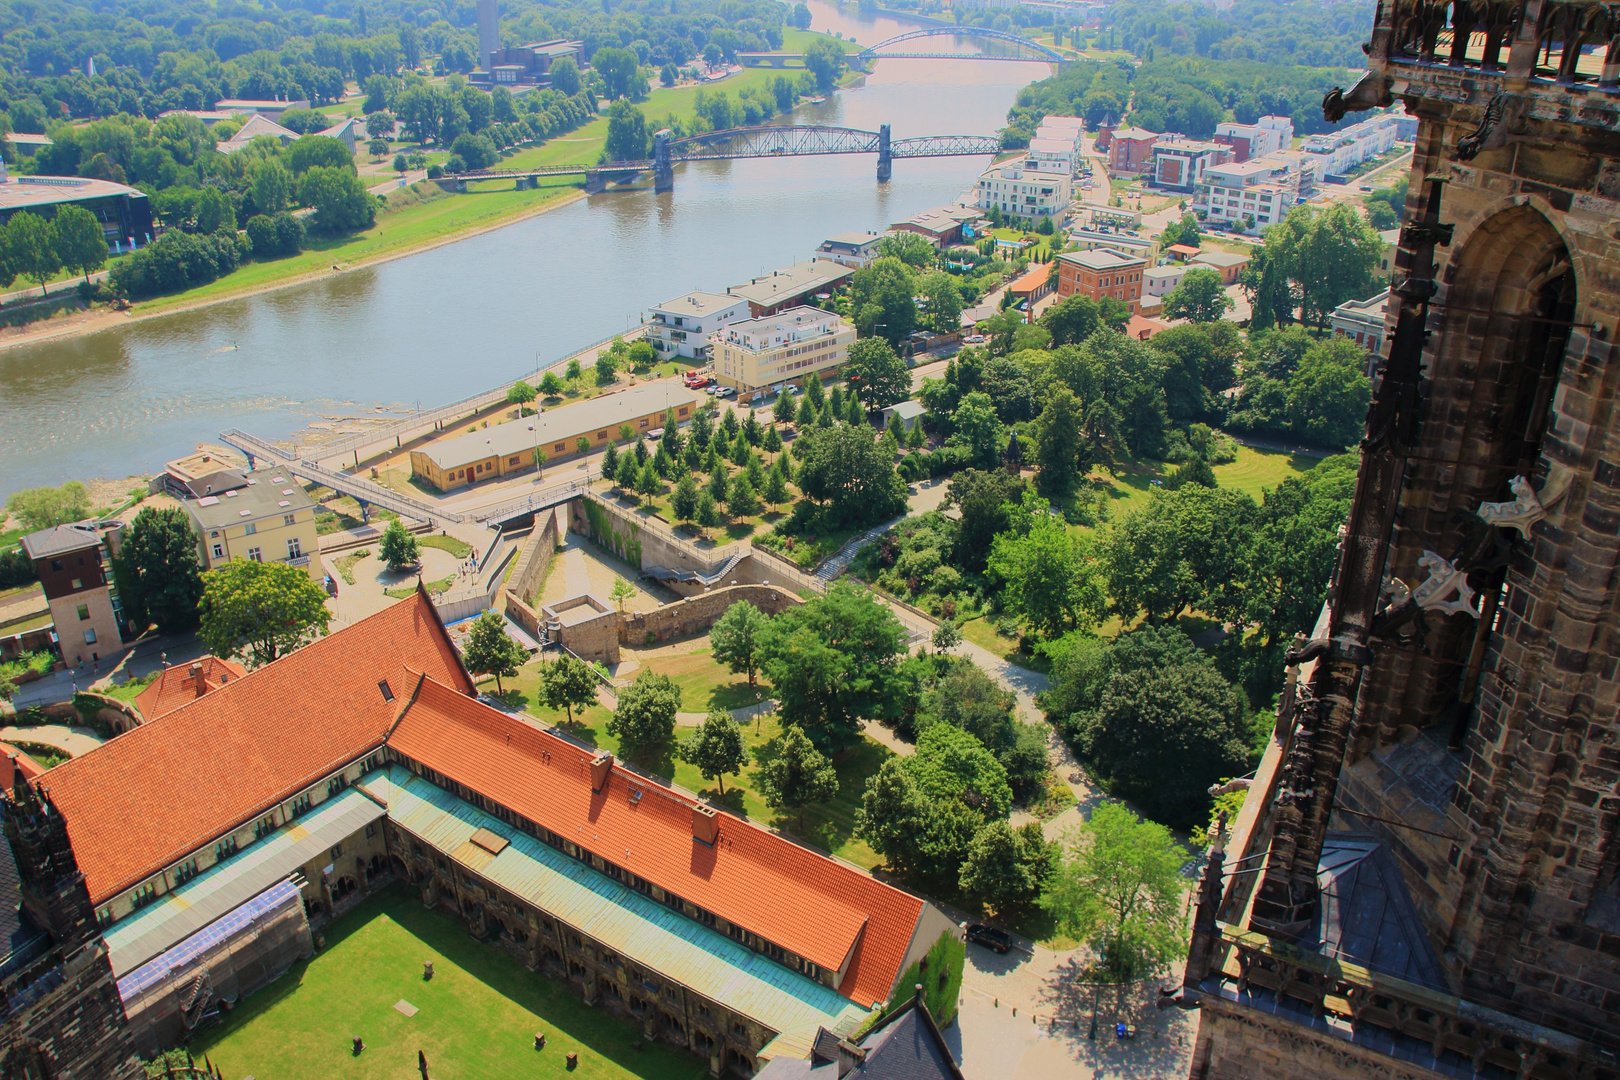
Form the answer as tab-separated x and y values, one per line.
476	1019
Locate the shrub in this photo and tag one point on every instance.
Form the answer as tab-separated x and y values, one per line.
177	260
273	235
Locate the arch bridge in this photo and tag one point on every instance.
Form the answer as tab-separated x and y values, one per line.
751	142
1026	49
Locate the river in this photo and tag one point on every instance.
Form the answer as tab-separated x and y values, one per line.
449	322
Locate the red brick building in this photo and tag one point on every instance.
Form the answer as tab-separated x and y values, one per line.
1131	149
1101	273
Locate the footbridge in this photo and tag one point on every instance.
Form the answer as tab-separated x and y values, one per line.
811	140
370	494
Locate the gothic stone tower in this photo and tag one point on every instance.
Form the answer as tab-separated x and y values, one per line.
1425	880
63	1017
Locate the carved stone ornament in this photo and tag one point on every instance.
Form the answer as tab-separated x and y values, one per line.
1524	511
1444	581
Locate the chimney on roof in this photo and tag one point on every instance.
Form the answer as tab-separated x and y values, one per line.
705	824
601	766
197	679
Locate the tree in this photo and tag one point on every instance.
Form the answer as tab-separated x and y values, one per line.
946	637
1058	444
398	547
1200	297
1050	576
1329	393
618	69
79	240
944	302
667	75
796	774
846	469
340	199
953	765
909	247
979	429
565	75
379	125
261	610
881	300
719	486
627	135
801	16
273	186
490	650
832	661
610	462
824	59
318	151
1334	261
1120	891
742	501
606	369
1007	867
622	591
648	482
734	638
42	507
521	393
475	151
876	374
982	498
1289	559
716	748
708	515
214	213
1072	321
567	683
1183	549
157	572
645	718
685	500
30	249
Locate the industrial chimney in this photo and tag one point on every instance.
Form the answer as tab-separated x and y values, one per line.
489	40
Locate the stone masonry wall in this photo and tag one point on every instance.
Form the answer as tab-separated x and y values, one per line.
696	614
1245	1044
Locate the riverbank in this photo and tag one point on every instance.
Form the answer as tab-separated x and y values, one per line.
407	231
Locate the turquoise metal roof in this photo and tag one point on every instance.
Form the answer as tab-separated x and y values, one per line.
216	891
633	925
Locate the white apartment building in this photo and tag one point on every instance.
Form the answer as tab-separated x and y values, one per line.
1072	124
1343	150
1282	125
681	327
1180	164
1017	189
1262	189
1250	140
1054	155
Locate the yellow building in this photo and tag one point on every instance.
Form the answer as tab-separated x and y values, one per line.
506	449
264	515
760	355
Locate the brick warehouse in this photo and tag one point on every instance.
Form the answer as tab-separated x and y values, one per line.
1425	880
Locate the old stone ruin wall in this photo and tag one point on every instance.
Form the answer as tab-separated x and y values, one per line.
534	559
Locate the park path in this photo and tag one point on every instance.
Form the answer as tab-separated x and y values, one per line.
72	741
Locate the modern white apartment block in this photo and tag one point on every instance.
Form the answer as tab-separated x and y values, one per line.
1250	140
1054	155
1342	150
681	327
1021	191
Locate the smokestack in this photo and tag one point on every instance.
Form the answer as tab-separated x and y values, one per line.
489	40
197	679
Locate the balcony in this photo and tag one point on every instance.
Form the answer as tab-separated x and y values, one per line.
1565	43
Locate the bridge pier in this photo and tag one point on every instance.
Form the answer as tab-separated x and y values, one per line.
365	510
525	183
595	182
885	156
663	169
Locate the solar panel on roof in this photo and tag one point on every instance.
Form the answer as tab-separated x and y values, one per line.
158	968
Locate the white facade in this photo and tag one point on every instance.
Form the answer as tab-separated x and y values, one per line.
1054	155
681	327
1261	140
1262	188
1343	150
1159	280
1282	125
1024	192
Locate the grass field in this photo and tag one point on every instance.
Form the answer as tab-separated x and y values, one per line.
477	1020
1252	473
395	232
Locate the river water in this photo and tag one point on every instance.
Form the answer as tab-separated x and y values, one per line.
447	323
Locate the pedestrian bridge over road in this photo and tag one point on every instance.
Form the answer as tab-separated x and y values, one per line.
369	494
806	140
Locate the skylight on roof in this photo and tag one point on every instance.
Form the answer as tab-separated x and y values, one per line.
208	500
244	513
286	491
278	479
230	494
284	502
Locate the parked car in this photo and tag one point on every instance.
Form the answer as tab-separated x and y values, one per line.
973	339
726	392
988	936
655	434
697	382
713	390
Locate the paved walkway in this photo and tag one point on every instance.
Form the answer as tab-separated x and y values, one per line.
72	741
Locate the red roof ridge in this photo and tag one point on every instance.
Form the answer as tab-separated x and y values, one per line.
830	912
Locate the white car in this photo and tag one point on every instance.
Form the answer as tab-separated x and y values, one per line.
726	392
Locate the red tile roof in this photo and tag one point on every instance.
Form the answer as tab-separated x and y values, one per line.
802	901
12	762
1032	279
140	802
176	686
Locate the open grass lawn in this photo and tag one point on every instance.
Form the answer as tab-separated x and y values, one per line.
396	231
830	827
477	1018
129	691
1253	472
459	548
704	684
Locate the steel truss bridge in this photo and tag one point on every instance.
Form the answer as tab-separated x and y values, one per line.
1024	48
751	142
